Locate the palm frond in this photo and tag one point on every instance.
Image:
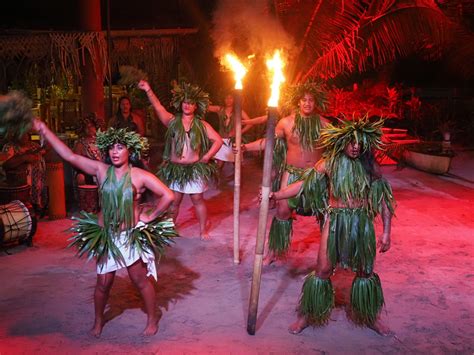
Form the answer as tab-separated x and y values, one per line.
347	36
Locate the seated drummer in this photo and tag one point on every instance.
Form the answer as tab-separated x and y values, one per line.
24	155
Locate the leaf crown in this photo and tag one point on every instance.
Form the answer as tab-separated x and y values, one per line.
292	95
186	92
135	143
361	130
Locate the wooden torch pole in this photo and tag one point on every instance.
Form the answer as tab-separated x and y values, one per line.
262	221
237	167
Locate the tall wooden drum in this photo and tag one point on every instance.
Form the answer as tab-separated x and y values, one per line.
11	193
88	196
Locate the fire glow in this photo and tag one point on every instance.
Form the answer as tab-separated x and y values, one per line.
234	64
275	66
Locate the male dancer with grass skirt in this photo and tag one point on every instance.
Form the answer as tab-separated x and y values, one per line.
295	151
347	187
190	144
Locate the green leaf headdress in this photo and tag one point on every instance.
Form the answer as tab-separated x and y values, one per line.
335	139
292	95
15	115
135	143
190	93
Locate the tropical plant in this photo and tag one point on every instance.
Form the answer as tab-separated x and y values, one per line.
341	37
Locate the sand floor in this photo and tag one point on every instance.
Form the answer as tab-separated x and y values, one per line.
428	279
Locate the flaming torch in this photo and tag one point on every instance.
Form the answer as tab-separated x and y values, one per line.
275	66
239	70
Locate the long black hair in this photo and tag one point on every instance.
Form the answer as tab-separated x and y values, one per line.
119	112
370	165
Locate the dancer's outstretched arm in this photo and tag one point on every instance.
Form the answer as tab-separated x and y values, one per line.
164	116
88	166
259	144
287	192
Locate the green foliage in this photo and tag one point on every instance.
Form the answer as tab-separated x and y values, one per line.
380	190
279	161
348	179
317	299
186	92
181	174
351	241
155	236
279	238
314	191
176	137
292	95
366	299
308	130
92	240
135	143
117	202
335	138
294	174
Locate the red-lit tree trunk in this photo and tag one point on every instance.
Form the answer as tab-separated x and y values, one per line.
92	94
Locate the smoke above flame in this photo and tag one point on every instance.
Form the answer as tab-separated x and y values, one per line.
246	27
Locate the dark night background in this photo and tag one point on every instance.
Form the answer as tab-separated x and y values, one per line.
148	14
62	14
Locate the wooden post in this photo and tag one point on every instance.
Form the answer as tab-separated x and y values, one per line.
237	169
92	91
262	221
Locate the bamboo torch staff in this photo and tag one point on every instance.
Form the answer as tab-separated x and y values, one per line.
239	72
275	65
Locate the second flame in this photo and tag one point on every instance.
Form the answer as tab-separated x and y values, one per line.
275	65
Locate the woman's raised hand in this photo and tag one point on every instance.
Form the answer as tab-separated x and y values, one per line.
142	84
38	125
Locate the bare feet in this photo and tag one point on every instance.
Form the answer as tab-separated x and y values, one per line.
381	329
205	235
96	330
151	329
298	326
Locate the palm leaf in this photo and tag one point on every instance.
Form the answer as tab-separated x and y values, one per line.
352	35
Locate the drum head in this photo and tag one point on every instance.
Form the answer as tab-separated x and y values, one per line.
16	221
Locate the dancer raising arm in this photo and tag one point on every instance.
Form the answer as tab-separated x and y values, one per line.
117	228
190	144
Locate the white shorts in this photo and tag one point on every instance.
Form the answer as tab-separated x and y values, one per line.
130	256
192	187
225	153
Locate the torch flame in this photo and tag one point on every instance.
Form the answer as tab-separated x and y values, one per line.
234	64
275	65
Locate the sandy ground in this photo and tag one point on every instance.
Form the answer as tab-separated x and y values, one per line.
428	279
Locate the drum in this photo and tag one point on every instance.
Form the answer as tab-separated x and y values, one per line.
17	223
17	177
88	197
11	193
